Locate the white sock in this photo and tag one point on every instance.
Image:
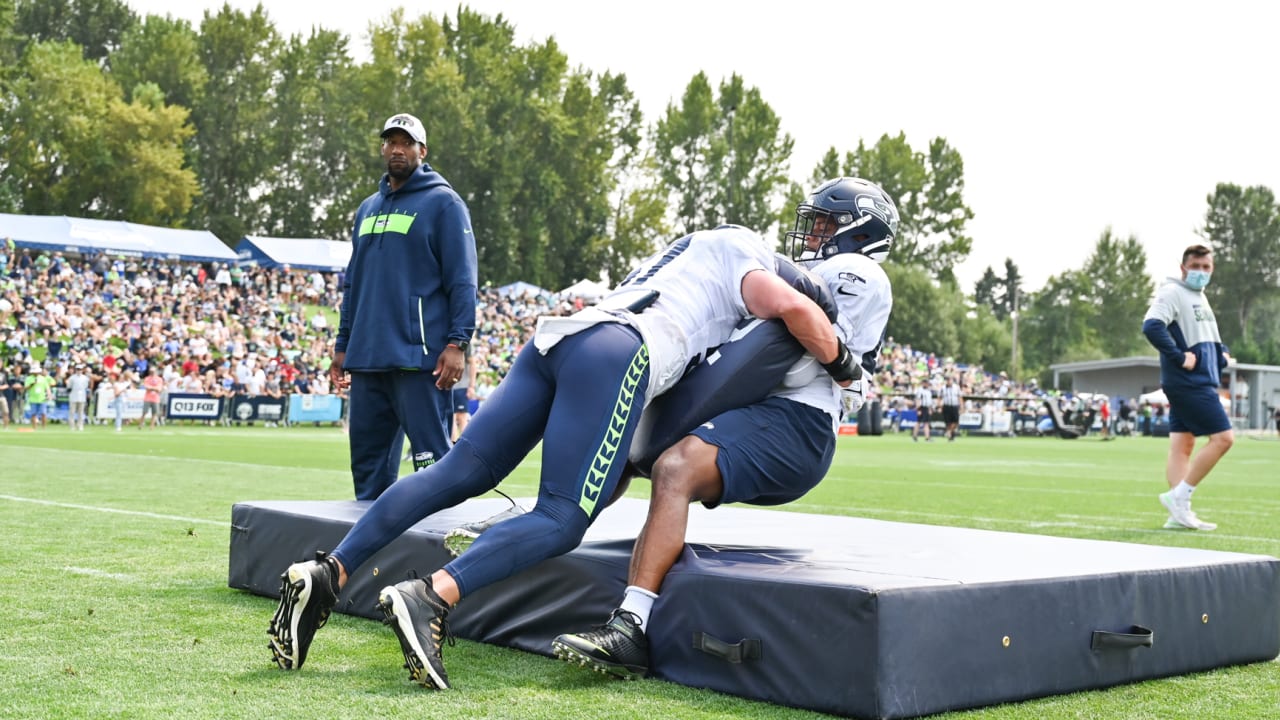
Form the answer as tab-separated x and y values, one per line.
639	601
1183	491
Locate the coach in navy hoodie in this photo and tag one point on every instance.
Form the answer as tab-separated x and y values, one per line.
408	312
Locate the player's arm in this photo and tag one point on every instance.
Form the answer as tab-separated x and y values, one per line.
767	296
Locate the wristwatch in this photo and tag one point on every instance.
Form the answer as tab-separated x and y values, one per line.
462	345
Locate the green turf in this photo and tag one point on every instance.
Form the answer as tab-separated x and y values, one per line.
114	598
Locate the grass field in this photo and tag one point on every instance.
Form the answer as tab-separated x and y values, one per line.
115	605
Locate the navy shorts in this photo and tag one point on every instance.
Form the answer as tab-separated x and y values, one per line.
460	404
772	452
1197	411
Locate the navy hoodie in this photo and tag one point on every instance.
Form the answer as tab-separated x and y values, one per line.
410	288
1180	321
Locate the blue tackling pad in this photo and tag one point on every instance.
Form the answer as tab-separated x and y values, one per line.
856	617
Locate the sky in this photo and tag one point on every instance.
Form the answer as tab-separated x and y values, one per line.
1071	118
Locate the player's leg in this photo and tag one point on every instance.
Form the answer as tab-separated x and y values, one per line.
599	377
767	454
417	610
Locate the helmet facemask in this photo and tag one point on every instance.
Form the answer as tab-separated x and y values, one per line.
845	215
815	231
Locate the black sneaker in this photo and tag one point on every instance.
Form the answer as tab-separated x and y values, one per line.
457	540
417	615
308	592
619	647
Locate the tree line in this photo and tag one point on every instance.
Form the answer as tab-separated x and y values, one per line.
230	126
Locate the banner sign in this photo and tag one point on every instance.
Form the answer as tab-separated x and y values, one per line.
315	408
184	406
970	421
248	408
132	404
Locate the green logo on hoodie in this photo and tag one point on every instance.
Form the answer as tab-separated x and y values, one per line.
393	223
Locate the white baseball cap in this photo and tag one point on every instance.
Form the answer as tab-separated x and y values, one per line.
407	123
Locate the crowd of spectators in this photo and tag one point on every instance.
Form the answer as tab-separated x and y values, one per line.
202	327
906	370
224	329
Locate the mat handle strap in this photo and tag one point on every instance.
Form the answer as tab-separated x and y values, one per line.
1137	636
736	653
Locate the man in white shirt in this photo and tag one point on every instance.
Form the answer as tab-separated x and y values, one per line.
77	397
924	405
951	407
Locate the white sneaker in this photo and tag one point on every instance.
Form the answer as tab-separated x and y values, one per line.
1202	524
1171	524
1181	514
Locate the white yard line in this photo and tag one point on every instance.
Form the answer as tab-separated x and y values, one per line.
117	511
94	572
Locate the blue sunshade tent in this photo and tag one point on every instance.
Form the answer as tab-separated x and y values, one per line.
114	237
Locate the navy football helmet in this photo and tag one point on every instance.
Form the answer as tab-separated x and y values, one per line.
845	215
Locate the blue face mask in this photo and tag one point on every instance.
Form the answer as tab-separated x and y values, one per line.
1197	279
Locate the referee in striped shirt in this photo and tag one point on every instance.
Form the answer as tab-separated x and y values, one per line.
951	408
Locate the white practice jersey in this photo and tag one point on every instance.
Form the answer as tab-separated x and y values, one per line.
698	281
864	298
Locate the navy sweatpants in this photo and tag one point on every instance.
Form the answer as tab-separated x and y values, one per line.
582	400
386	406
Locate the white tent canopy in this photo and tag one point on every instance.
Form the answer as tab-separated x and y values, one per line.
297	253
1155	397
521	288
588	290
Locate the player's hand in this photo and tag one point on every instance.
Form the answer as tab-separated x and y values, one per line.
449	367
338	379
852	398
1189	361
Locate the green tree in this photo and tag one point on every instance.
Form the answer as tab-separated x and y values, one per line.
164	51
9	56
1056	324
1011	292
1242	226
233	119
925	311
639	226
104	157
985	340
928	189
985	291
9	50
534	147
97	26
313	122
724	156
1117	291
